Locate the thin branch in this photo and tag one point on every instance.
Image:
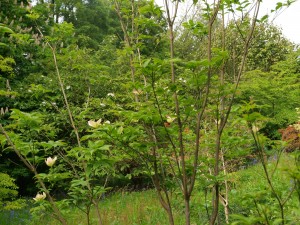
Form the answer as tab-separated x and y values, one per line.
40	181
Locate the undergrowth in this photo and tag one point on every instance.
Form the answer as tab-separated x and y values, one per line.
143	208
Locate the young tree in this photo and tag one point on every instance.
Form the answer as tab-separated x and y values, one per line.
179	99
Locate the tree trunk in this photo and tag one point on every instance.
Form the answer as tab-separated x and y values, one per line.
187	211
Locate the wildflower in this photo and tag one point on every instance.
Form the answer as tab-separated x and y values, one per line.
50	161
68	87
107	122
39	197
103	105
182	80
94	124
111	94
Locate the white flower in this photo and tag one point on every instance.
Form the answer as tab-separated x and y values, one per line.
170	119
40	197
29	91
182	80
111	94
50	161
103	105
68	87
107	122
255	129
94	124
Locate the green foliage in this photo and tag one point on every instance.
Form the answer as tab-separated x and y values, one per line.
275	93
269	47
110	109
9	194
253	199
94	21
6	67
247	186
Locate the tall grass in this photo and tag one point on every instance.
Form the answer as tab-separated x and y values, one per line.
120	208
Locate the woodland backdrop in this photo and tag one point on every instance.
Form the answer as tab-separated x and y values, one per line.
98	96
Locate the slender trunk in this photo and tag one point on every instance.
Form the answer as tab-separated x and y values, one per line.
156	179
187	210
220	127
226	211
216	190
170	215
166	204
180	134
88	214
225	115
225	199
96	203
184	180
170	211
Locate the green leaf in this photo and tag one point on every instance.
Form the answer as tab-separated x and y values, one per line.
4	29
146	63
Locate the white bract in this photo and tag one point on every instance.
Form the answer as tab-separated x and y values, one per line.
111	94
94	124
50	161
39	197
255	129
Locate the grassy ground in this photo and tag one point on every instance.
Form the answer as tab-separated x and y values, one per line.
133	208
15	217
121	208
143	208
